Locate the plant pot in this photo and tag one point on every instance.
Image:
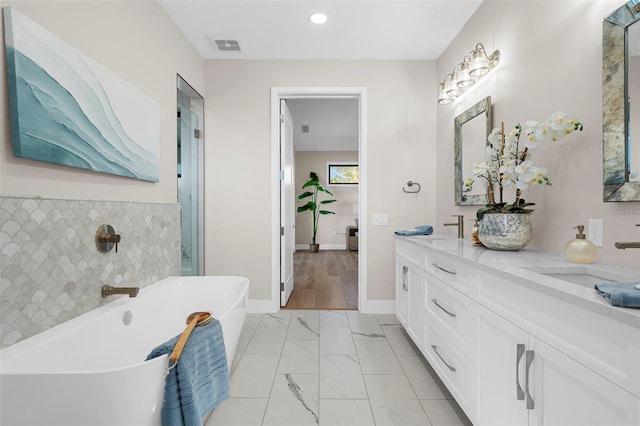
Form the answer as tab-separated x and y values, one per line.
313	248
505	231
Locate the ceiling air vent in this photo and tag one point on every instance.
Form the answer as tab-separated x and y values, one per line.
305	128
227	45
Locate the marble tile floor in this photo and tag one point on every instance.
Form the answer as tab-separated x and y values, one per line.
329	368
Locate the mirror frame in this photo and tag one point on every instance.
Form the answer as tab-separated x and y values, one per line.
482	107
615	108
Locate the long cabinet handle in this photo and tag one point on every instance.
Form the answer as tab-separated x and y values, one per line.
529	361
435	302
450	367
519	353
435	265
405	270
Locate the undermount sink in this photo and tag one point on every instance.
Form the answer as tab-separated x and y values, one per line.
584	275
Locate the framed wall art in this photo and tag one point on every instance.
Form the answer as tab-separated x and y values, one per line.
67	109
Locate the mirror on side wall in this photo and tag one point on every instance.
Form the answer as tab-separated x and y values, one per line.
471	130
621	103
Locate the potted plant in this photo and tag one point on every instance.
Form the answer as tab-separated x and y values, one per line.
313	205
506	226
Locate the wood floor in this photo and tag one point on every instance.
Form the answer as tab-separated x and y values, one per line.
325	280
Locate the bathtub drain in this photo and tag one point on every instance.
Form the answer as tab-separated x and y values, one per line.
127	317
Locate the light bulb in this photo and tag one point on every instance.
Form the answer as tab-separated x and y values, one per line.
464	78
443	98
479	63
451	86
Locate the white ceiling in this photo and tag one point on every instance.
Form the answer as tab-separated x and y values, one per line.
355	30
332	124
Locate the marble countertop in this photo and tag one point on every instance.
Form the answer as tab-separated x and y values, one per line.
520	267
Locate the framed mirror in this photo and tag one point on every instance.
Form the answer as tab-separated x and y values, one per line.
621	103
470	141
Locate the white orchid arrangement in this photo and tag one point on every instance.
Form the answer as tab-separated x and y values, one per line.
507	162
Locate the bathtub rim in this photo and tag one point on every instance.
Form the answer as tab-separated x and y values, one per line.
34	342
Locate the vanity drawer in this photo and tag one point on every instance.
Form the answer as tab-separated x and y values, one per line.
415	254
452	312
450	271
452	366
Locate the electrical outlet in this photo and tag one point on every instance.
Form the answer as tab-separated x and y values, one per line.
595	233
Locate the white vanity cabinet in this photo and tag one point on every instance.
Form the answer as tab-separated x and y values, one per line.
410	292
511	354
437	316
525	381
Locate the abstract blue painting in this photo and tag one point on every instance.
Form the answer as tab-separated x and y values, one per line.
65	108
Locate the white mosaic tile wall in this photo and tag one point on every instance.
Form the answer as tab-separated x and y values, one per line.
51	270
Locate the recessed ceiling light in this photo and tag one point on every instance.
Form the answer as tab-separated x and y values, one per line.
318	18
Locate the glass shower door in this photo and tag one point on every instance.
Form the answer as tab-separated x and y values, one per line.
188	190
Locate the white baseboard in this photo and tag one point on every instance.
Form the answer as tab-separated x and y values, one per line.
323	246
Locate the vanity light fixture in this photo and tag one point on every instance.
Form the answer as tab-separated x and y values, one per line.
473	67
318	18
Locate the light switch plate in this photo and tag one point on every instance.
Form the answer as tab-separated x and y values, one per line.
379	219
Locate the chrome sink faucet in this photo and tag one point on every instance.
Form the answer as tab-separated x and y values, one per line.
108	290
459	224
626	245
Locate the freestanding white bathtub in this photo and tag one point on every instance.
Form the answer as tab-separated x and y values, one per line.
91	370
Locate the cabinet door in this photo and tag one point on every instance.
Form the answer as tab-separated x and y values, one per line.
500	367
416	319
567	393
402	292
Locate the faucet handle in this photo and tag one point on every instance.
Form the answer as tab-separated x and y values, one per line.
106	238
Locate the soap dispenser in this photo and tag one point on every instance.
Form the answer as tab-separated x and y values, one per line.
580	250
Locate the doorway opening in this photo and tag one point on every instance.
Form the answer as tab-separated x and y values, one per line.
343	237
190	157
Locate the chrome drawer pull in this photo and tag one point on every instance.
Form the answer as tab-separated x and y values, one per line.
405	270
435	265
529	361
435	302
435	349
519	353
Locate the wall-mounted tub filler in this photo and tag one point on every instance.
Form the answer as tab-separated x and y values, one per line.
108	290
106	238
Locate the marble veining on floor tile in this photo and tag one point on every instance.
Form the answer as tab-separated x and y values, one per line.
325	370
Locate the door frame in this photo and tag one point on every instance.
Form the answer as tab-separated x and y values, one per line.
278	93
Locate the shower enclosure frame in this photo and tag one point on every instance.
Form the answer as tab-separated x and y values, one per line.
196	106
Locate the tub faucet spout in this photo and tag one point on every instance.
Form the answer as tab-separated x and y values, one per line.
108	290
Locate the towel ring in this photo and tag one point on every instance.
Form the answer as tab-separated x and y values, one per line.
410	184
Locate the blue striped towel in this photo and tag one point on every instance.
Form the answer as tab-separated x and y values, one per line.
620	294
199	381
